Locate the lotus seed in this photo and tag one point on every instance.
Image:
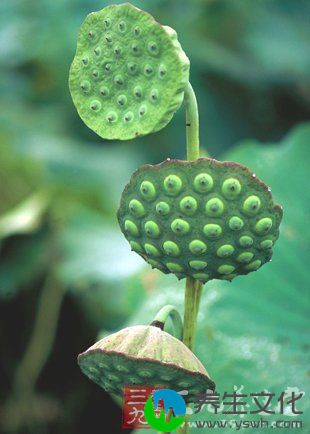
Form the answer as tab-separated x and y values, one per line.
95	105
198	265
197	247
173	267
203	183
245	241
85	86
148	190
214	207
107	22
172	184
171	248
122	368
188	205
145	374
245	257
85	60
111	117
97	51
162	208
104	91
201	276
95	73
155	264
131	228
151	250
225	250
137	31
122	26
266	244
132	68
117	50
118	79
162	70
121	100
212	230
231	188
152	47
136	208
154	95
138	92
225	269
152	229
251	205
135	49
128	117
252	266
263	225
107	67
142	110
108	38
180	226
136	246
235	223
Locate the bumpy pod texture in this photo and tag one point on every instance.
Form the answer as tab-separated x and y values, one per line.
129	73
144	355
205	219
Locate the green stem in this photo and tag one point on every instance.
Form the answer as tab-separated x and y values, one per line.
162	316
193	290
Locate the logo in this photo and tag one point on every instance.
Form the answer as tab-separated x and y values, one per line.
171	400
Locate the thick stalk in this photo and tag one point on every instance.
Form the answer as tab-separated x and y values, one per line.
162	316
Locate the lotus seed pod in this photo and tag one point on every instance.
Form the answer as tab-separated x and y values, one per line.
144	355
129	73
207	219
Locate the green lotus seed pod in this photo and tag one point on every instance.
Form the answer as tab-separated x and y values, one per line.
133	64
162	208
188	205
195	224
147	190
136	208
251	205
197	247
180	226
231	188
171	248
214	207
144	354
173	185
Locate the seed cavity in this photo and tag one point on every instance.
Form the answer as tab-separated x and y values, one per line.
108	38
107	66
263	225
245	257
151	229
171	248
137	92
251	205
107	23
148	190
128	117
118	79
231	188
172	185
154	95
132	68
252	266
236	223
225	251
212	230
151	250
180	226
197	247
148	70
266	244
188	205
198	265
136	208
95	105
203	182
95	73
173	267
152	48
162	71
225	269
245	241
214	207
104	91
85	86
122	26
85	61
117	50
131	228
137	31
142	110
112	117
97	51
162	208
135	49
121	100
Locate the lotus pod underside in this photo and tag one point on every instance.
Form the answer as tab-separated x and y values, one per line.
129	73
144	355
205	219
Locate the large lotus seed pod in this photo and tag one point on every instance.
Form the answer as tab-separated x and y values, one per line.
205	219
129	73
144	355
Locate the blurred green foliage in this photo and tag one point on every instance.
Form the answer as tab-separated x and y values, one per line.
60	187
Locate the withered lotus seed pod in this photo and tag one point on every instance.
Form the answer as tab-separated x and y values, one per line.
204	219
145	355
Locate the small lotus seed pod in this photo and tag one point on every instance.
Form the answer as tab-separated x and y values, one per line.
135	54
200	226
140	355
